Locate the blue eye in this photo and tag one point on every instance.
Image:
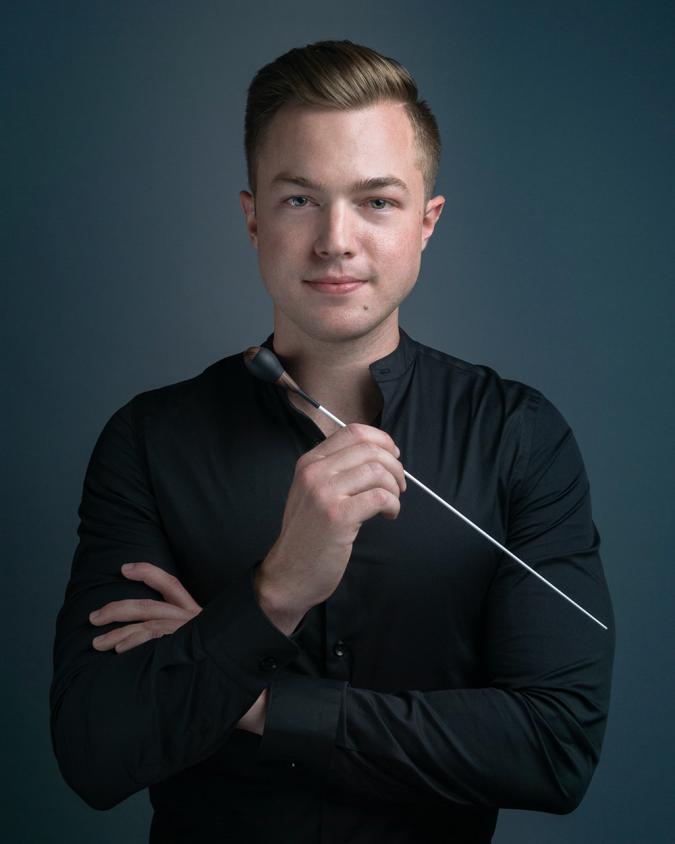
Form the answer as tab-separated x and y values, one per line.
385	202
293	198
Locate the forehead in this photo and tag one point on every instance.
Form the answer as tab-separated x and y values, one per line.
328	146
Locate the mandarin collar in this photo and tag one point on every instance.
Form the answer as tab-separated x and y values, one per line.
388	368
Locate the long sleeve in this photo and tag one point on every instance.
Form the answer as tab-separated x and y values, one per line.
529	737
123	721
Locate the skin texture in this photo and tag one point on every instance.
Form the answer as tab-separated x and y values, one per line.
337	486
310	219
152	618
304	232
325	226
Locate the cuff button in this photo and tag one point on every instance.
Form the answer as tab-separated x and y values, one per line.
268	663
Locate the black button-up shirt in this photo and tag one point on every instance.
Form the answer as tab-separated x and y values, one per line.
439	682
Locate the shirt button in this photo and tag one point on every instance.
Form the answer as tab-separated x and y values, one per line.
339	648
268	663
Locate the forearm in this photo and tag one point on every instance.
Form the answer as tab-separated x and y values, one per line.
529	738
123	721
466	747
471	747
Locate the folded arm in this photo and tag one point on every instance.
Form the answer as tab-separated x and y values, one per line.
530	736
121	721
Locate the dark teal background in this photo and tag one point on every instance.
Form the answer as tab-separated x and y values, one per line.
126	266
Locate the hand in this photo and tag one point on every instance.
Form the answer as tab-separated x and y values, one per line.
345	480
156	618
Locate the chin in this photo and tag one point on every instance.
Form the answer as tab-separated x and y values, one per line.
341	332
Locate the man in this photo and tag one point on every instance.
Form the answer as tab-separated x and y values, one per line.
281	664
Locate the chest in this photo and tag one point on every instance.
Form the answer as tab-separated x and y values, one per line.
415	585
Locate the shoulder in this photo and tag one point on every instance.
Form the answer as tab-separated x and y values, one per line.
476	385
491	405
184	404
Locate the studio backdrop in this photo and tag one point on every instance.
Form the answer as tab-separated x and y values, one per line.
127	267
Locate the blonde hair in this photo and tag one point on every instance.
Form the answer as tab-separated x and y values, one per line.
339	75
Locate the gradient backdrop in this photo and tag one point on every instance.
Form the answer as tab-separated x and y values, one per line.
126	267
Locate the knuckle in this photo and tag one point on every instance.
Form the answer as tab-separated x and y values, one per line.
302	461
306	474
333	514
381	495
358	431
376	468
370	448
324	500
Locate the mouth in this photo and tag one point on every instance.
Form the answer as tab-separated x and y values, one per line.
339	286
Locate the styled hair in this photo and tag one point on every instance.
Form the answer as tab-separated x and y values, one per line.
339	75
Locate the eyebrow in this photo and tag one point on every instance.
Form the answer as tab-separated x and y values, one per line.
375	183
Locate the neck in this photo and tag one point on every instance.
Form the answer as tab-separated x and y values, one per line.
336	373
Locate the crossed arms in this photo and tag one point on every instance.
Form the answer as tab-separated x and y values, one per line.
166	690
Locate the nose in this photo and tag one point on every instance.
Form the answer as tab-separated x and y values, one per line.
336	234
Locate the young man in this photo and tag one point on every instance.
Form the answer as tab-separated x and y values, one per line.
281	664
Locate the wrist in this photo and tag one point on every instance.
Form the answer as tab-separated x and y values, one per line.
277	605
253	721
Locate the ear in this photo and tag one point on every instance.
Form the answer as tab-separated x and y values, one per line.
431	215
247	202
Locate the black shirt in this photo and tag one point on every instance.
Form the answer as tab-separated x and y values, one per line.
439	682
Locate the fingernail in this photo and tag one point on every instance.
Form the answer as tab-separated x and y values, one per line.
398	451
128	566
94	615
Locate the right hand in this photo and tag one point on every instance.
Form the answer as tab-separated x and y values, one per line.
345	480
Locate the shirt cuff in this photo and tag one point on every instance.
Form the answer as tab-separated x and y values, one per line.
237	635
302	720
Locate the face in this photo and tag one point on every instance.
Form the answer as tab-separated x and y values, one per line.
339	195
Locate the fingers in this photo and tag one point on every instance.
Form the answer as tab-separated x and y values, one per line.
136	639
171	589
351	434
338	474
138	609
109	640
131	635
369	462
373	501
156	618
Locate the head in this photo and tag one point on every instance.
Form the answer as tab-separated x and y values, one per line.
342	161
338	75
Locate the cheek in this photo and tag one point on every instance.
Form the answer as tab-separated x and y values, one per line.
282	232
274	249
396	247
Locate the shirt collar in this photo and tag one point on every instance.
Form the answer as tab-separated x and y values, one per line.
388	368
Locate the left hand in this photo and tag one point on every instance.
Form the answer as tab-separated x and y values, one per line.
155	618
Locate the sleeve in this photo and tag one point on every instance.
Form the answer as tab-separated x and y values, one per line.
531	737
120	722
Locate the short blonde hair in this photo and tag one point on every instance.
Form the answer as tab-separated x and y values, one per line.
339	75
